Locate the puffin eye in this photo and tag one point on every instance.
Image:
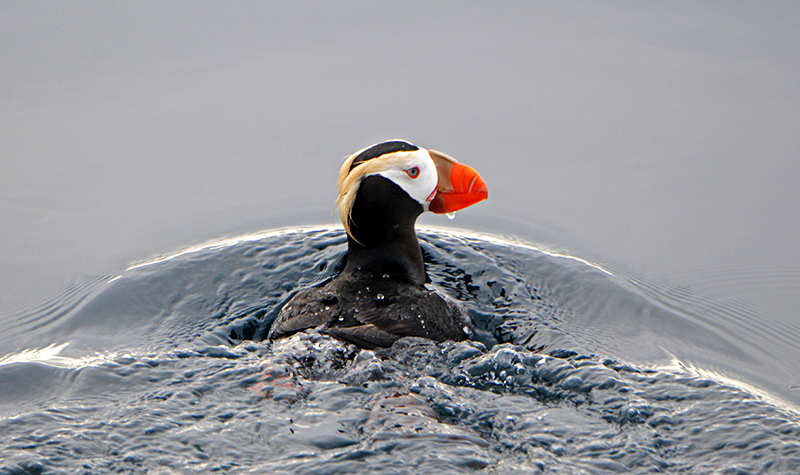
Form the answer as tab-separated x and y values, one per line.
413	172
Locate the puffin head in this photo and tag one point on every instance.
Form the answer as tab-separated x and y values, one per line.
433	179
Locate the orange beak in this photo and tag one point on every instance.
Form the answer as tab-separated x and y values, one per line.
459	185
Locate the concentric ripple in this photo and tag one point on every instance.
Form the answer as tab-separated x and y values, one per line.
165	369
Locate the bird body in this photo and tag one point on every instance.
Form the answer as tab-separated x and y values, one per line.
372	313
383	293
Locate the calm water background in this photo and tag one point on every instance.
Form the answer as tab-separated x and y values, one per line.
660	141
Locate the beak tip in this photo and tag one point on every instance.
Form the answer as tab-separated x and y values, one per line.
460	186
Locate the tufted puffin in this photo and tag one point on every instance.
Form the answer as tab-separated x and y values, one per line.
384	293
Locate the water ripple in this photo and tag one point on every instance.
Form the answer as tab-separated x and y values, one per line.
577	368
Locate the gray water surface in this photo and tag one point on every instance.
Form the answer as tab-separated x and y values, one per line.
166	368
656	141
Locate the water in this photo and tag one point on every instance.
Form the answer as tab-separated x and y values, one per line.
655	144
165	367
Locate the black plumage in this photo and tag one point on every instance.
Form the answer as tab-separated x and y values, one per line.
382	294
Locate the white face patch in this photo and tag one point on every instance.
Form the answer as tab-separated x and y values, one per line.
419	186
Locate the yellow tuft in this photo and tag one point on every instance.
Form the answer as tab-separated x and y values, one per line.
349	181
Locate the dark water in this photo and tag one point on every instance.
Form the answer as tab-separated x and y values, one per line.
163	369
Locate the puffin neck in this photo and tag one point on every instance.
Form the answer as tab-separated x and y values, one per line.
384	242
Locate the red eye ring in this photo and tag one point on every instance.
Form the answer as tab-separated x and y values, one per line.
413	172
